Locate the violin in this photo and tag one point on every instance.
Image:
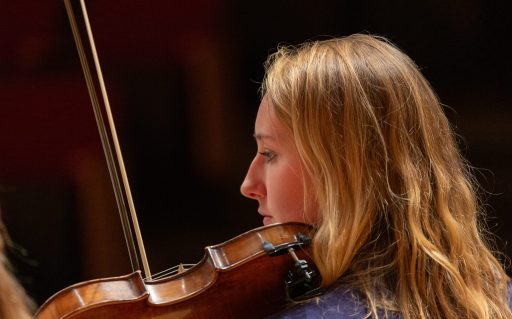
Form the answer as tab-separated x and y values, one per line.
241	278
250	276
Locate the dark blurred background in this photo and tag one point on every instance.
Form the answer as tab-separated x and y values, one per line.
183	79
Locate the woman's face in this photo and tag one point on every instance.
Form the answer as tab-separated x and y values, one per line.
276	176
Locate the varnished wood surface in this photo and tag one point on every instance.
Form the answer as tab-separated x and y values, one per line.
235	279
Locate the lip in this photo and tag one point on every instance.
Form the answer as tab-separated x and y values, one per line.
262	213
267	219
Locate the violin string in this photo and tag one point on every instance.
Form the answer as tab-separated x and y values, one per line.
171	271
165	273
115	141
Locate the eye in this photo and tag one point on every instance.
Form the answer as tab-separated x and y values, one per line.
269	155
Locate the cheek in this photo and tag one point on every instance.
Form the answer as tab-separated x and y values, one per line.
285	196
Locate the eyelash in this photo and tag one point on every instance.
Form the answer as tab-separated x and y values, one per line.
270	156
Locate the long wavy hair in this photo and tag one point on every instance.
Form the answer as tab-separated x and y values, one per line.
399	208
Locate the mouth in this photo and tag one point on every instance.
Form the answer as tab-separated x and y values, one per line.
267	219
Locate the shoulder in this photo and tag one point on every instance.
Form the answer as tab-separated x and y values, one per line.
338	302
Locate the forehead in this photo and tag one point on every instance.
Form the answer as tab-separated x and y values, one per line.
266	120
269	127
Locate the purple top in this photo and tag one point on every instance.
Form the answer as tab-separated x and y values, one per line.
337	303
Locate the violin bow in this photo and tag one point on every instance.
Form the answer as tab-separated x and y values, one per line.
109	137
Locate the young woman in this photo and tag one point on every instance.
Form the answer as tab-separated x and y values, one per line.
352	139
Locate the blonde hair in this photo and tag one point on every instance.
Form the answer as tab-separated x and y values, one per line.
399	211
14	302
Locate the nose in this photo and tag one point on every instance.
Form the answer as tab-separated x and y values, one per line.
253	185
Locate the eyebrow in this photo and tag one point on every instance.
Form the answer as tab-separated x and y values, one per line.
263	136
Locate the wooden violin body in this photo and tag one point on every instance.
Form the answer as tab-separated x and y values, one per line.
236	279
